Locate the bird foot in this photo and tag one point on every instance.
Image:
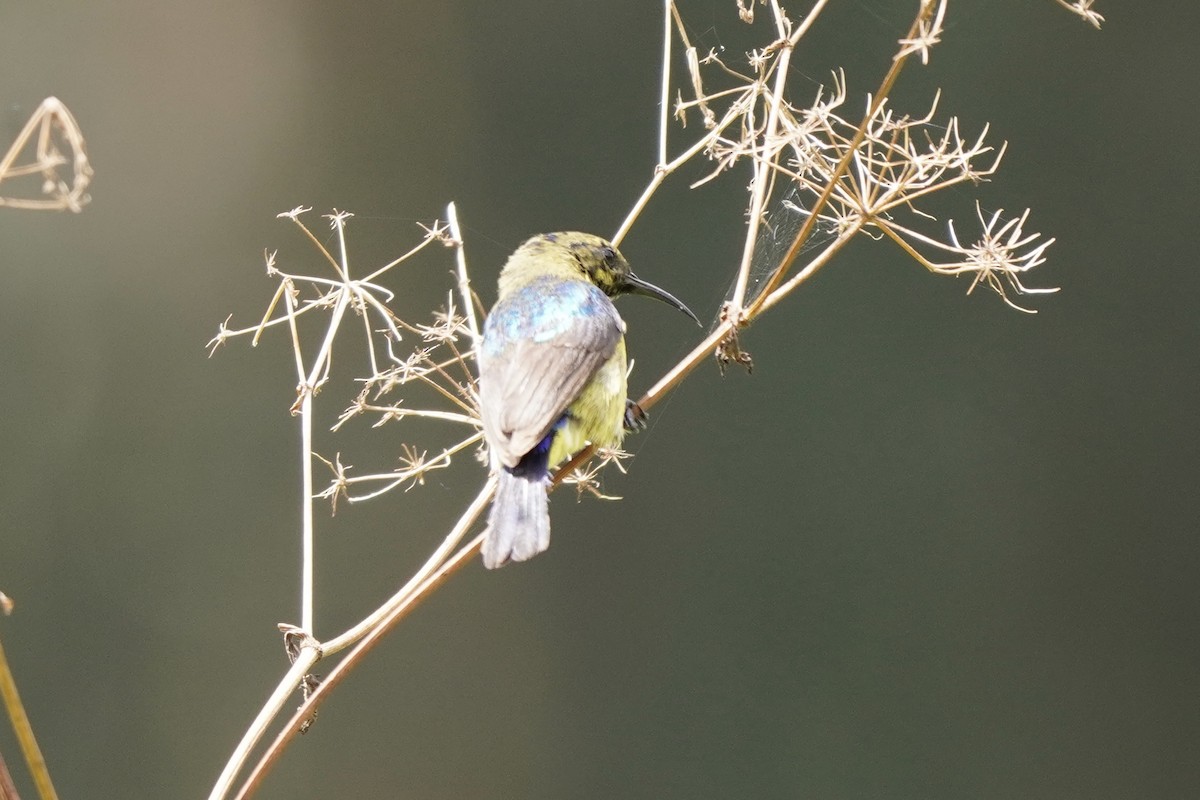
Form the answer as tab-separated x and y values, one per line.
635	418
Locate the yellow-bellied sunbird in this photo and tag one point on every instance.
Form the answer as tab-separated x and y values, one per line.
552	376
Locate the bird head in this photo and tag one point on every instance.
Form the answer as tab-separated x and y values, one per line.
589	257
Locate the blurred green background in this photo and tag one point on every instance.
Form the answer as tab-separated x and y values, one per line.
931	548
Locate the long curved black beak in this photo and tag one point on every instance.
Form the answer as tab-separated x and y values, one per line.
635	285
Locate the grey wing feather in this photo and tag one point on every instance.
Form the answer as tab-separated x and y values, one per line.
525	390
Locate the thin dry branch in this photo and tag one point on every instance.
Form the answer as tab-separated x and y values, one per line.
24	732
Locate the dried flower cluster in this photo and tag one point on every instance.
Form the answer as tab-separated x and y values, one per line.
438	356
50	140
855	177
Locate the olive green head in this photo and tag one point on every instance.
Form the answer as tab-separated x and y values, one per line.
575	255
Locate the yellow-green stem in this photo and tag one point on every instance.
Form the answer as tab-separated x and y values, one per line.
24	732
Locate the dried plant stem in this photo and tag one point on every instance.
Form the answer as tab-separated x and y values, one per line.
275	703
8	791
664	112
24	732
308	384
469	300
308	526
399	608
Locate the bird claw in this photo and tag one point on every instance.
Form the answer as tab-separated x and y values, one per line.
635	418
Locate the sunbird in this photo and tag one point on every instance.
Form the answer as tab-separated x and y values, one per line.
552	376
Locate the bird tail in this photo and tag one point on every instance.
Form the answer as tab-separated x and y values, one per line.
519	521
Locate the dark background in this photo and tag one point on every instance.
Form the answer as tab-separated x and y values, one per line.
931	548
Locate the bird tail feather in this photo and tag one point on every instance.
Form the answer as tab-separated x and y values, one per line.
519	520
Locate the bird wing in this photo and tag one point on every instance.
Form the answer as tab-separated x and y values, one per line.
541	345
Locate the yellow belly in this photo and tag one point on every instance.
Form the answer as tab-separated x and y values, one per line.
598	414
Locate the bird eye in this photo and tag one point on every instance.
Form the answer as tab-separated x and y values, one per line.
608	253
